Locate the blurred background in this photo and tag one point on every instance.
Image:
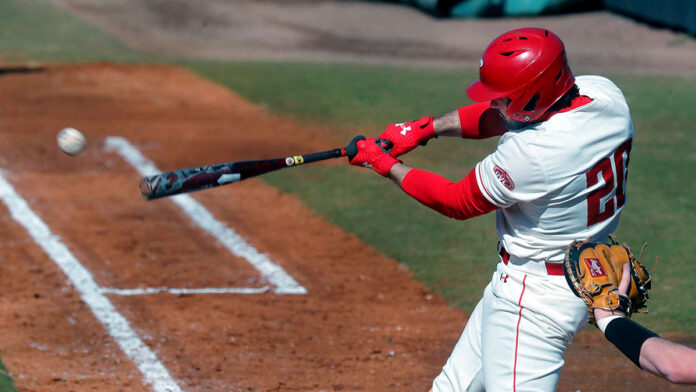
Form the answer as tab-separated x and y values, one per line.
345	66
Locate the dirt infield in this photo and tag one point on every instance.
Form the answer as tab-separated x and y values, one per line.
364	324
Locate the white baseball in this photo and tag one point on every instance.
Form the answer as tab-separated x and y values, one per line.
71	141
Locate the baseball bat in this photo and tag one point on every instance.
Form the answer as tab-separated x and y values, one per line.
204	177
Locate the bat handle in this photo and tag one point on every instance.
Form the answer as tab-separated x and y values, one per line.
317	156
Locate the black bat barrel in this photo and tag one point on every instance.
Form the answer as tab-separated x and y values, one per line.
204	177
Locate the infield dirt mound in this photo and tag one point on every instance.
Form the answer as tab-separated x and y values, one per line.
365	324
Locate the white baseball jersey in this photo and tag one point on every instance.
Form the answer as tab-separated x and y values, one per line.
555	181
562	179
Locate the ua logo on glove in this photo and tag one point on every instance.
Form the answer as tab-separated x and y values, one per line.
404	128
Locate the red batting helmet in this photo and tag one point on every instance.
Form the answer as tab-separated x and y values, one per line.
529	66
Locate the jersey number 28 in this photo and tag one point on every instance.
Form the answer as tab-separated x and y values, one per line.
613	170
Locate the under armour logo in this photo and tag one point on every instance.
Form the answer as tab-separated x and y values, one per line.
367	165
504	277
404	128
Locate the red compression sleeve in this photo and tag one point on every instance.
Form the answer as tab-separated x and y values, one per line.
480	121
461	200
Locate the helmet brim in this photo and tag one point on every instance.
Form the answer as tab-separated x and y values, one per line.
479	92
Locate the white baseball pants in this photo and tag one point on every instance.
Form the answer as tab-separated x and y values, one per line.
516	337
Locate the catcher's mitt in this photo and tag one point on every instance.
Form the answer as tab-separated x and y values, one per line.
593	271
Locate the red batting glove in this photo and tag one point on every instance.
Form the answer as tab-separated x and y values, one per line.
407	136
370	153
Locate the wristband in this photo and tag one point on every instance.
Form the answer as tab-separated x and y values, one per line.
383	164
628	336
602	324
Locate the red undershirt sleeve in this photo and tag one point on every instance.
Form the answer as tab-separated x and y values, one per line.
480	121
461	200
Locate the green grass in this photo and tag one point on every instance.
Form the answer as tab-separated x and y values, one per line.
37	30
454	258
6	384
339	94
662	208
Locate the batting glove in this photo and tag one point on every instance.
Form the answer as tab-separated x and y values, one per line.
372	153
409	135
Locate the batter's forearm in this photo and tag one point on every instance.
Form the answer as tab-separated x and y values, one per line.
398	172
476	121
448	124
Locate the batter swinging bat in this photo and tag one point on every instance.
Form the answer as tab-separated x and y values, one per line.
203	177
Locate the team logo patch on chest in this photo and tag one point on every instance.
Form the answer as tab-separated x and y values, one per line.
504	178
594	266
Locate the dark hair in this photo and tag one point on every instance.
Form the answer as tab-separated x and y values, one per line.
566	100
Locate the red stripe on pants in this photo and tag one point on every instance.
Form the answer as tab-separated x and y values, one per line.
517	337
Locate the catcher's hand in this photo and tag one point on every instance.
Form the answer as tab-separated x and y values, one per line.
593	271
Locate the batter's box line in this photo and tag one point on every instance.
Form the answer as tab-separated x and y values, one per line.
119	329
230	239
203	290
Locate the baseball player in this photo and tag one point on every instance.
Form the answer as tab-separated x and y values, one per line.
558	174
661	357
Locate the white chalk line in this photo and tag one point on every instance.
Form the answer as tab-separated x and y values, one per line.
167	290
146	361
284	283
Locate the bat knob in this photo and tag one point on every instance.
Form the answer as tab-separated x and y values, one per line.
352	147
146	188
